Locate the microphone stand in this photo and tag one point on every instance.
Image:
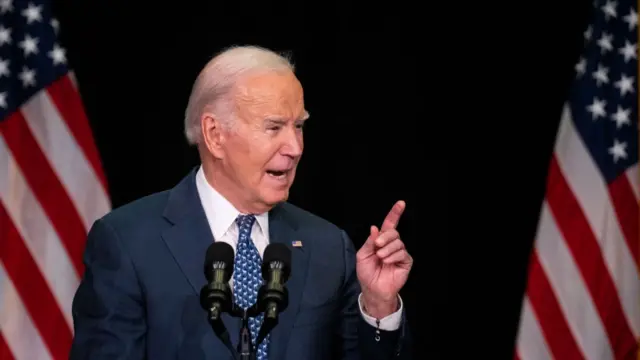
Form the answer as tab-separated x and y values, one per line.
246	349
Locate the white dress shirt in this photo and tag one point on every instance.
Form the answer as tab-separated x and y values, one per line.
221	216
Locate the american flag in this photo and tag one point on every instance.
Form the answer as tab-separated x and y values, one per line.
583	293
52	186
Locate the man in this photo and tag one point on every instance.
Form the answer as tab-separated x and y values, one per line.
144	261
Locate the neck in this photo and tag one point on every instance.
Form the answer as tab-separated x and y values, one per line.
218	180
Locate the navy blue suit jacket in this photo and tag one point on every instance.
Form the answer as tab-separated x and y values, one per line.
138	298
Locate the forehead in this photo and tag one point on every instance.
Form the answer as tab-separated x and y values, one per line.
270	92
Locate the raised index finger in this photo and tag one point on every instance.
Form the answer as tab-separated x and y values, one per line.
393	217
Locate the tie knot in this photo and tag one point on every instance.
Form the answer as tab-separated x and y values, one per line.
245	222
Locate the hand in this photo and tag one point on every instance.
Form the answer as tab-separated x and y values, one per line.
383	266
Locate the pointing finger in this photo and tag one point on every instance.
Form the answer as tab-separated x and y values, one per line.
393	217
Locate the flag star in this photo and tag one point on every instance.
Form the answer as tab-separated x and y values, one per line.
601	75
609	9
631	19
3	100
55	24
621	117
597	108
618	150
58	55
5	35
625	84
4	68
581	67
32	13
605	42
29	45
629	51
6	6
28	77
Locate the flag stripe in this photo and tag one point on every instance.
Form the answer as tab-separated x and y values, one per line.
67	103
625	205
46	186
595	206
5	352
585	250
33	290
544	303
588	188
38	234
73	79
634	180
66	158
16	324
535	346
570	289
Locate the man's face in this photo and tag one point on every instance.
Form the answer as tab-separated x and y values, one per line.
263	148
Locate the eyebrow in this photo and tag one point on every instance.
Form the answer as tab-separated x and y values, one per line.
280	120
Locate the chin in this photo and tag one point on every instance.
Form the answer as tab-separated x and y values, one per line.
273	197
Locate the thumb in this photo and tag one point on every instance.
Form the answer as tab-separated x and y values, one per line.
373	233
369	246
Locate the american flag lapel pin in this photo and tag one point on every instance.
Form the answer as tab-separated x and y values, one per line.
296	243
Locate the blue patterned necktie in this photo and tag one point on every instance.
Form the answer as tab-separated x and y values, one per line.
247	279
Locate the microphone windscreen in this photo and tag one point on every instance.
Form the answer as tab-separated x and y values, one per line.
220	253
276	252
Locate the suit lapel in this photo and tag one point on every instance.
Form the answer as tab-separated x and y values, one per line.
283	229
189	238
190	235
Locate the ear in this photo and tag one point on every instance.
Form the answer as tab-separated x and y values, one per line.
212	134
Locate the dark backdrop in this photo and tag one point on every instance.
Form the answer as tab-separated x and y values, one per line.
449	110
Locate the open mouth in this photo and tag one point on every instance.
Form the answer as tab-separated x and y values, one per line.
278	174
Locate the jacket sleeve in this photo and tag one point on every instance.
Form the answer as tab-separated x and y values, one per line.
108	308
359	339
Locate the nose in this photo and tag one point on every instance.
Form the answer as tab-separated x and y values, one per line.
293	144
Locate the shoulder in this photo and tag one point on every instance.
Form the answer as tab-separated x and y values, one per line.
306	219
137	211
134	219
316	228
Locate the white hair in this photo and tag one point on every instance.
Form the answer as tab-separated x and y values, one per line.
212	86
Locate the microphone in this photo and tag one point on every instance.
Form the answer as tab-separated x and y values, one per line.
215	296
273	296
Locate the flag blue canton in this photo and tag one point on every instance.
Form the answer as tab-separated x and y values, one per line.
603	99
30	56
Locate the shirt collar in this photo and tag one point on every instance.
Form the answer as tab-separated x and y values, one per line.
220	213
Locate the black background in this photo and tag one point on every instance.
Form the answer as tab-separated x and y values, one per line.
452	110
